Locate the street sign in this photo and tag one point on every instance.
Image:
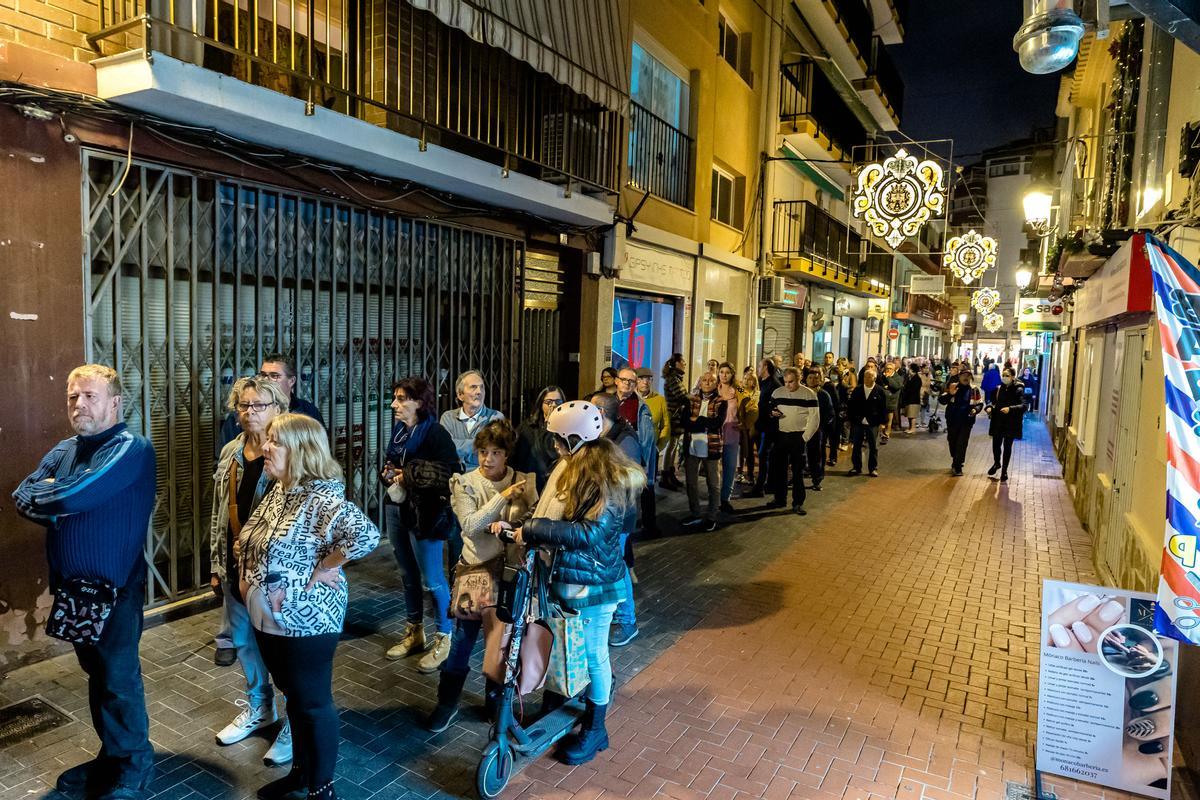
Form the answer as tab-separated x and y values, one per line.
893	334
926	284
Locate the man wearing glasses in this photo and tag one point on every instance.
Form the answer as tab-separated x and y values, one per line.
281	370
633	409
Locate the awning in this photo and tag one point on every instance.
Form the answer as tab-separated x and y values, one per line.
579	43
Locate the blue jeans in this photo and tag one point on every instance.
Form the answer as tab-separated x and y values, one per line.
626	613
596	620
729	466
235	622
116	696
466	633
422	568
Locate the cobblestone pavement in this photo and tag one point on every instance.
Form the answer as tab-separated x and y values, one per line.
883	646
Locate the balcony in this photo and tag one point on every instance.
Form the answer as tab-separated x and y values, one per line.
815	120
808	242
926	310
883	88
890	16
378	62
661	157
844	29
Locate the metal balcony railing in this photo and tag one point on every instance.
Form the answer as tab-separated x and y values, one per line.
661	157
390	64
877	265
803	230
883	70
922	305
806	95
856	17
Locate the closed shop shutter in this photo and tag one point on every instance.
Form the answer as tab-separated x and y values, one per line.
779	326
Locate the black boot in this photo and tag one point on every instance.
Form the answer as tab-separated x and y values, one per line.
326	792
450	687
293	783
592	738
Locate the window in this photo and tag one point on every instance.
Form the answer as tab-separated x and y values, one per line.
728	198
655	87
734	47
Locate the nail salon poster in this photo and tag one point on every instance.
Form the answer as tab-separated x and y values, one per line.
1106	694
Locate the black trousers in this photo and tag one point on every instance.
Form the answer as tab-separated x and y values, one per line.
116	696
766	445
302	668
864	434
790	449
958	436
1004	443
815	455
833	439
649	514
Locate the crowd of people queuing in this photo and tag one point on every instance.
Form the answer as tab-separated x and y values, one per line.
464	489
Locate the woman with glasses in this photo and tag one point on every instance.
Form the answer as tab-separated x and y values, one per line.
535	452
239	485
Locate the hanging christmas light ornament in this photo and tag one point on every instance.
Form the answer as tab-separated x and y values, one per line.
993	322
898	196
985	300
969	256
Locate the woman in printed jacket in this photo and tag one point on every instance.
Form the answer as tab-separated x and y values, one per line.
293	548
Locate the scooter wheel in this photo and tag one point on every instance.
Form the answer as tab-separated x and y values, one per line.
495	769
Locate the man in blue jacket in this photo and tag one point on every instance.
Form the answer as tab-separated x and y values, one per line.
94	493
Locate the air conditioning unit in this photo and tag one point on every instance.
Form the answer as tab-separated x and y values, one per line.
570	143
771	291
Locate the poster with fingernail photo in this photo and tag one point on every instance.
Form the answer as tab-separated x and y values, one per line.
1106	689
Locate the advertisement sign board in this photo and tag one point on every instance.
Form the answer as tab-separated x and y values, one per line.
1040	314
927	284
1106	689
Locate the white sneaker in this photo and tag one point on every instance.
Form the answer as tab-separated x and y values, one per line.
280	751
251	719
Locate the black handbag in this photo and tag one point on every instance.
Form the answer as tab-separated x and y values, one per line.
81	607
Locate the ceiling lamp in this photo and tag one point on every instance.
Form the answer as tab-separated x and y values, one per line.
897	197
985	300
993	322
969	256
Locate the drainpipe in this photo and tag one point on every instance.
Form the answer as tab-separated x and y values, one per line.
769	131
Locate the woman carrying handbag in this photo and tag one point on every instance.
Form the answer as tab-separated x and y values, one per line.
580	513
1008	414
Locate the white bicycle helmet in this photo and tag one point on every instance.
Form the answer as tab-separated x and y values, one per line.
576	422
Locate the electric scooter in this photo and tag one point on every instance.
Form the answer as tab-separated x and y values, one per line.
510	739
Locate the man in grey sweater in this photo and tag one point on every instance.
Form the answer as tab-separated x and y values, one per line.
798	411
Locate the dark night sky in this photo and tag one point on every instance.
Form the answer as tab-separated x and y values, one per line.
962	79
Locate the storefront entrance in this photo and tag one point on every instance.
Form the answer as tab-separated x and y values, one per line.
643	332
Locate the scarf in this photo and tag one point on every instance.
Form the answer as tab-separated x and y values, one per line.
407	441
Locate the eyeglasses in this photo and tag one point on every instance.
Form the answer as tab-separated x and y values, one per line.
257	408
550	401
275	376
626	380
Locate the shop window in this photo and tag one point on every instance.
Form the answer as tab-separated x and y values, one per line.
734	46
728	198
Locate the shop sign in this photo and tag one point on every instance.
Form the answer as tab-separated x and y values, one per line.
927	284
1121	286
1106	689
1040	314
656	269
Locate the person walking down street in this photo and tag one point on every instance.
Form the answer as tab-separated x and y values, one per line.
731	438
704	444
910	397
94	493
798	411
747	418
421	457
677	409
892	384
622	434
589	493
963	403
867	412
239	485
990	383
1030	379
280	369
535	452
926	392
814	454
462	423
1008	414
293	548
490	493
767	425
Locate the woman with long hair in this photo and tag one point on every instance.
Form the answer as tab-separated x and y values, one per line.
608	381
677	408
293	548
747	417
535	452
580	514
731	440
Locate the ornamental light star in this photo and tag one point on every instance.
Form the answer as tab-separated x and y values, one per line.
897	197
985	300
970	255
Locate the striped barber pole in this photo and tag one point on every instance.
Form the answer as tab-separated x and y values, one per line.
1177	290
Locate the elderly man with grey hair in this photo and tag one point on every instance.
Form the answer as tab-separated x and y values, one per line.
463	423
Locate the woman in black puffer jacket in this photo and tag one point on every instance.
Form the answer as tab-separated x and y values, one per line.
1008	414
581	514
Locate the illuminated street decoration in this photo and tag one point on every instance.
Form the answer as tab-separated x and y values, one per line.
898	196
993	322
969	256
985	300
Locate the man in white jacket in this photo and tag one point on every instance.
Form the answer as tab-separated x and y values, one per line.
799	414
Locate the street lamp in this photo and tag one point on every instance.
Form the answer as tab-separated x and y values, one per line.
1024	276
962	319
1037	201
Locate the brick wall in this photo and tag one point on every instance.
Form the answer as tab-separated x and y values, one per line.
57	27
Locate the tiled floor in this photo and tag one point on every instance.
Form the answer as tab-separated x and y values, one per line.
881	647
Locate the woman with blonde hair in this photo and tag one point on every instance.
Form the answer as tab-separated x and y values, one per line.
293	548
747	415
580	513
239	485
